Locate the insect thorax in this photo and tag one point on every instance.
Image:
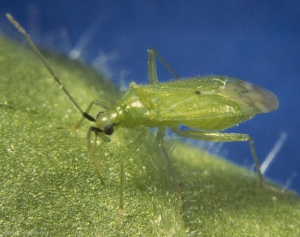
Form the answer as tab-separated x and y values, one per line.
130	111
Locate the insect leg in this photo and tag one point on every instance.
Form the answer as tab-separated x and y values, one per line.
160	138
152	72
225	137
133	147
91	149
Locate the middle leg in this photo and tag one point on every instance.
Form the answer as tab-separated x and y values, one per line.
160	139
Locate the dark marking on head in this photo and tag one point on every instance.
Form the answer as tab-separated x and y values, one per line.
96	130
99	114
89	117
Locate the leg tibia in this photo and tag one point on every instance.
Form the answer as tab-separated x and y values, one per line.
224	137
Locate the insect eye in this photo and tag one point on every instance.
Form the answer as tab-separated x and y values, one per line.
108	129
99	114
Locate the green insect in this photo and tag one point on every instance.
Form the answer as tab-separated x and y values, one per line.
205	104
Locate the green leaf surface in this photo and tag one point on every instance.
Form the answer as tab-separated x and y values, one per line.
49	185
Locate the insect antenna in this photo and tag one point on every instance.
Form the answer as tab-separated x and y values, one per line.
56	78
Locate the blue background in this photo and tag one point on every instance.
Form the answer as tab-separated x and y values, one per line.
257	41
